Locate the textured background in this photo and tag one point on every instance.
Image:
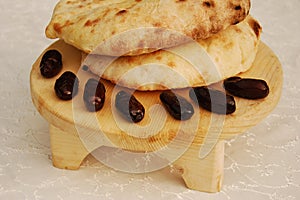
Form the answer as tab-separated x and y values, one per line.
264	163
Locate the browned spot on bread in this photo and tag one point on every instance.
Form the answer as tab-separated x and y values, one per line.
180	1
197	32
238	30
237	7
157	24
216	28
240	13
58	27
138	0
158	58
106	12
228	45
121	12
209	4
256	27
235	22
91	22
131	59
71	2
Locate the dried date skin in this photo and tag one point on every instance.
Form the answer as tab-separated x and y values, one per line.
247	88
94	95
129	107
66	86
51	64
177	105
213	100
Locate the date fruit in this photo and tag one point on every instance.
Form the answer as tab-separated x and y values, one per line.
246	87
213	100
51	64
66	86
94	95
129	107
177	105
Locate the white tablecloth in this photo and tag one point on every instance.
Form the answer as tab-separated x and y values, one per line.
263	163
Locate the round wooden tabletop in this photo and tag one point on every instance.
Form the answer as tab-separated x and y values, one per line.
158	128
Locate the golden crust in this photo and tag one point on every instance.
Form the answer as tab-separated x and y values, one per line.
87	24
232	51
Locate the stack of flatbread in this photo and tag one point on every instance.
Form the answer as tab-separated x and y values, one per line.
159	44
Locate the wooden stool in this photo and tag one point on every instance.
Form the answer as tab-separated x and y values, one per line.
75	132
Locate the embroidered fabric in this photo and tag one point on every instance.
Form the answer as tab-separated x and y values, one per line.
263	163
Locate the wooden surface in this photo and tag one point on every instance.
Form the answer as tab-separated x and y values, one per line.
63	114
75	132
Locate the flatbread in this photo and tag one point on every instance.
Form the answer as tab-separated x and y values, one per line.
232	51
133	27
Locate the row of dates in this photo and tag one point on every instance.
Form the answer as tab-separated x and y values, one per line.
216	101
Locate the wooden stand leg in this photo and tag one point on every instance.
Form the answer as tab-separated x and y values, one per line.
206	174
67	149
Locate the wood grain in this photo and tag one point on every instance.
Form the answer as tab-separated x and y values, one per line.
75	132
65	114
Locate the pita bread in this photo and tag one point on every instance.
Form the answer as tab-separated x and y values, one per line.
232	51
133	27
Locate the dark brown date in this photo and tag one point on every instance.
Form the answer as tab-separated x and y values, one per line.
129	107
213	100
51	64
246	87
176	105
94	95
66	86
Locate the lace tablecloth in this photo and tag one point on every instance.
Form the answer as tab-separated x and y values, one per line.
263	163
